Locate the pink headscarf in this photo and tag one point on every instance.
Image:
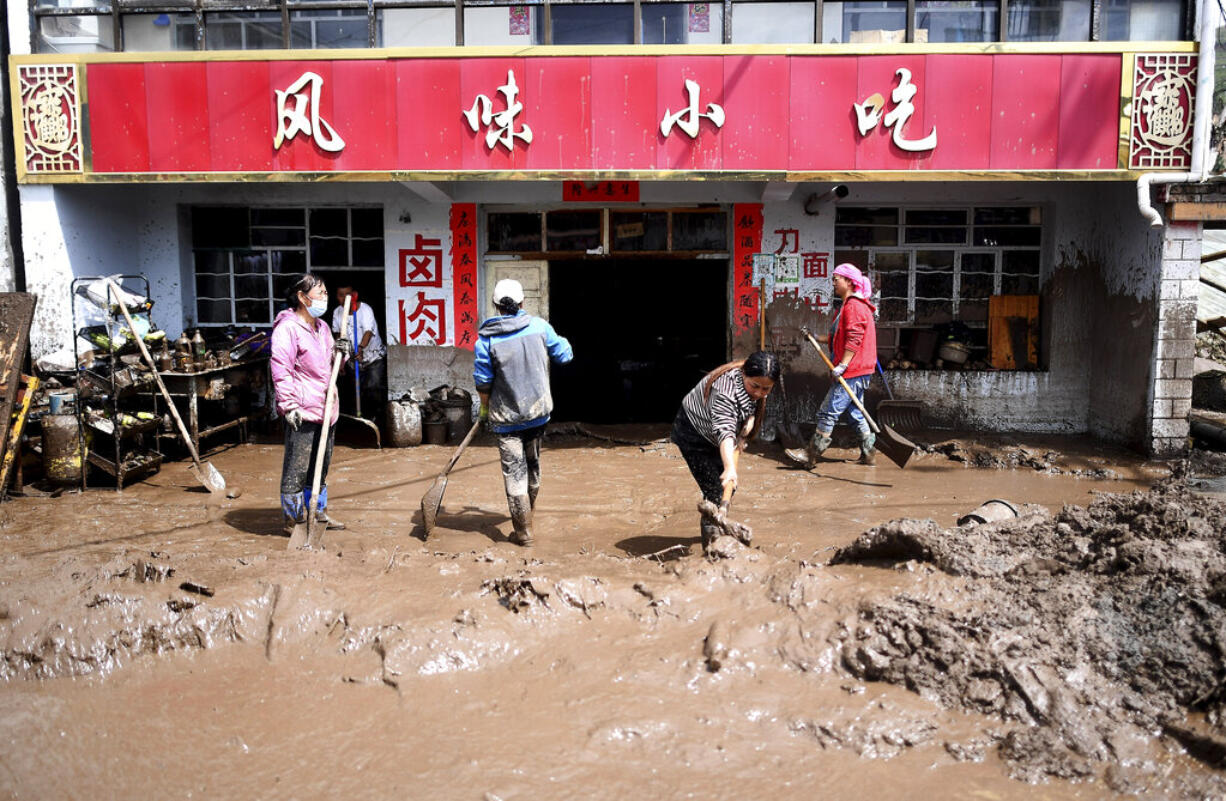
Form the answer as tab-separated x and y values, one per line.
859	281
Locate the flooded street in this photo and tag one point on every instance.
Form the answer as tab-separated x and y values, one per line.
156	644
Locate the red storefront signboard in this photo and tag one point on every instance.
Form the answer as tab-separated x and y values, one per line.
637	114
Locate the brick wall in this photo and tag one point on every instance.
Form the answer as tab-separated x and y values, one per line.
1171	396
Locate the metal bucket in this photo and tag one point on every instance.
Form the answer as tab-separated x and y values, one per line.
989	512
404	423
62	451
434	432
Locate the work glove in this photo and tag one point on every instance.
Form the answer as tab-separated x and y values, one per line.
839	370
294	418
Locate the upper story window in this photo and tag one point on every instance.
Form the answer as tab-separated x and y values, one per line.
69	26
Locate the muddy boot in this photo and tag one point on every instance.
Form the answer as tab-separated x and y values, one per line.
868	456
532	492
709	532
521	520
293	511
321	510
809	455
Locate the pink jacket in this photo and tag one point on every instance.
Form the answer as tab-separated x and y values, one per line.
302	366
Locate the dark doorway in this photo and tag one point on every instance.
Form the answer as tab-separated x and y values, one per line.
370	288
644	332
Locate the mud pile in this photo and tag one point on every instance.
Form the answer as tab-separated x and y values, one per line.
1014	457
1096	627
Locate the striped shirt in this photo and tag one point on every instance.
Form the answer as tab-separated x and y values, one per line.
723	414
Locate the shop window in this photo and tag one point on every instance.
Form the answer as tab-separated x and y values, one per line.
774	23
418	27
590	232
865	22
591	23
82	33
330	28
245	258
949	262
243	30
700	230
1142	20
515	232
1048	21
572	231
641	231
967	21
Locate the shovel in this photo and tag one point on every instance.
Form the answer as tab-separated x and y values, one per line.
432	501
897	448
718	515
306	535
357	399
204	472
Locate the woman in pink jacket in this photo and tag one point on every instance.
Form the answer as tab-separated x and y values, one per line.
302	348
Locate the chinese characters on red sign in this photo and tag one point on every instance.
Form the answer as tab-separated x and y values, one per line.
600	191
423	317
747	240
464	272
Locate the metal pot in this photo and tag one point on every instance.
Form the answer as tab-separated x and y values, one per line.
956	352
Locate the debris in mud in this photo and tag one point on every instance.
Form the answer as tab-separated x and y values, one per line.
1014	457
199	589
1094	627
518	594
873	738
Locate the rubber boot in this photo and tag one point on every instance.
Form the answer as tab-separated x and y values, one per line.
532	492
868	456
521	520
321	511
809	455
293	510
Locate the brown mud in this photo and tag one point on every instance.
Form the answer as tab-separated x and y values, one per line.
163	640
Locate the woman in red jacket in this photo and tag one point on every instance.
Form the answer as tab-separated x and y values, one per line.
853	341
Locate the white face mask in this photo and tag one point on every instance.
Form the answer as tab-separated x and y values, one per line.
318	307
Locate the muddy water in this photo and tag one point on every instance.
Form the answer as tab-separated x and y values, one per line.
465	667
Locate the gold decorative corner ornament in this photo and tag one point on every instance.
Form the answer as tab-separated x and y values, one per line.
1163	96
50	118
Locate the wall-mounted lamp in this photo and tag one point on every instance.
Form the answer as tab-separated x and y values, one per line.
815	201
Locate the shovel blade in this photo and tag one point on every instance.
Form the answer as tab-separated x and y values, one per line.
298	538
897	448
431	502
207	475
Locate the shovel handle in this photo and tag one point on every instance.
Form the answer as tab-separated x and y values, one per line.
174	412
809	336
460	450
730	488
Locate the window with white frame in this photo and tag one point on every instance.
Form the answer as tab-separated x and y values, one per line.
940	265
245	258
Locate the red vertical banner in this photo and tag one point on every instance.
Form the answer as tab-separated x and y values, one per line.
747	240
464	272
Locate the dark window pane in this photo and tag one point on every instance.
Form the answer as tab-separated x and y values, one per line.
212	286
213	311
894	311
329	222
874	21
1008	215
572	230
212	261
282	217
1142	20
851	215
861	236
219	227
934	285
368	253
1019	285
255	261
934	236
976	285
1025	262
592	23
707	230
1001	237
893	285
251	311
329	252
300	34
350	32
367	222
973	310
281	285
251	286
934	311
646	230
278	236
515	233
936	217
289	262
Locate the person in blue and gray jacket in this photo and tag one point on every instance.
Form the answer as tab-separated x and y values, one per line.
511	371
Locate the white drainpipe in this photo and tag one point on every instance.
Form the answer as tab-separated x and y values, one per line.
1202	117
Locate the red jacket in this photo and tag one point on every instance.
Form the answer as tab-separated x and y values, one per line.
856	331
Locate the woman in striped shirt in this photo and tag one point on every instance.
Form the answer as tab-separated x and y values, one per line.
717	418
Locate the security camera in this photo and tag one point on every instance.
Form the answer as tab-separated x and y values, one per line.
831	195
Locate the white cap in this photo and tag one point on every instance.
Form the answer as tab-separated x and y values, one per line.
508	289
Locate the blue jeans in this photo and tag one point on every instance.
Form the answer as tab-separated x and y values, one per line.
838	401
